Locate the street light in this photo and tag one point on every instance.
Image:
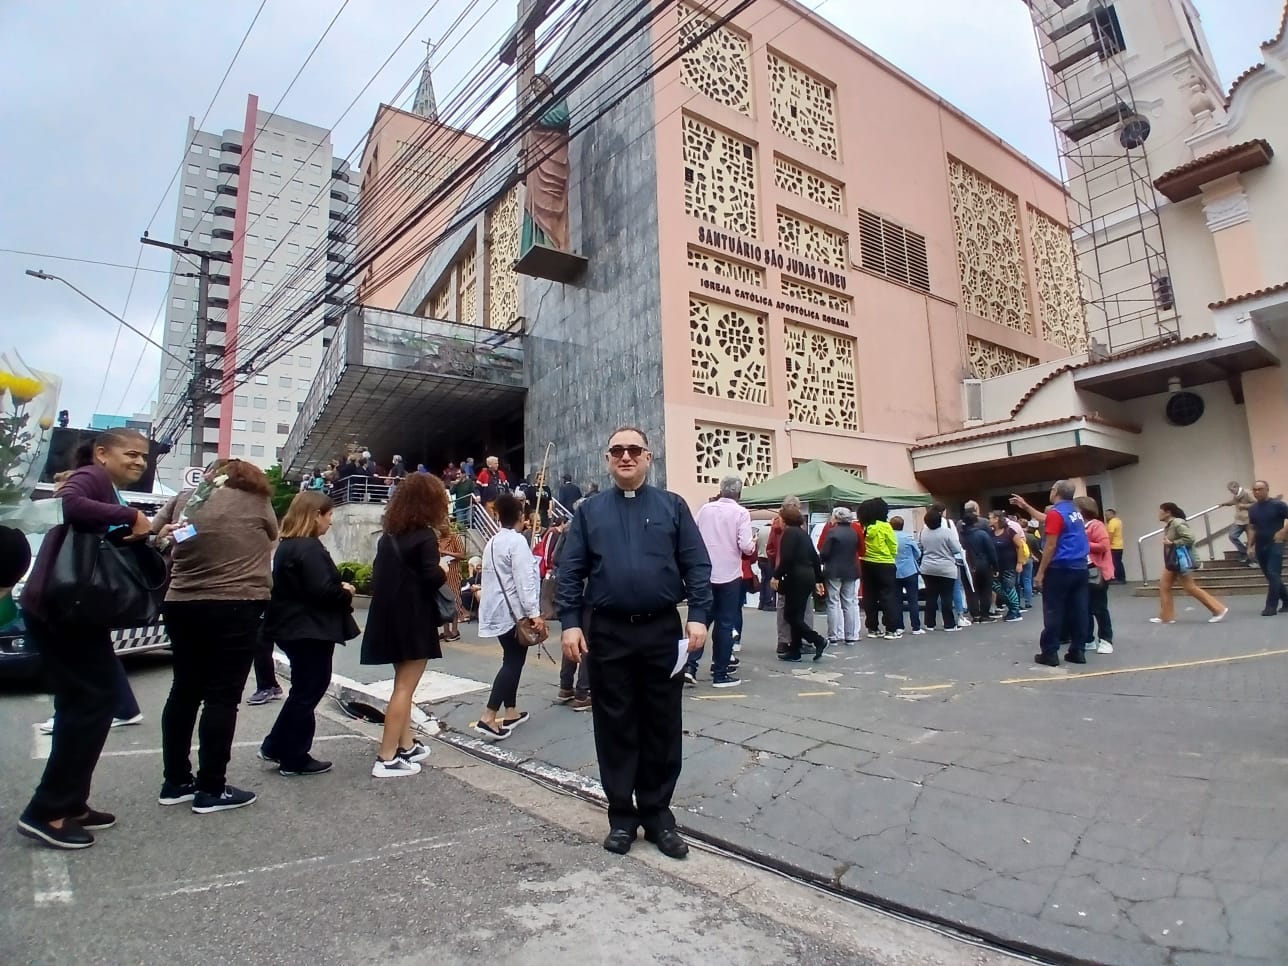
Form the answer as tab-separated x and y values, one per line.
46	276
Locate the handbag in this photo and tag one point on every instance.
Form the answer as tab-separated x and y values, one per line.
1094	577
525	633
1185	559
98	582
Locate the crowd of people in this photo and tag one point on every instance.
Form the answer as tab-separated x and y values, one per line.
239	583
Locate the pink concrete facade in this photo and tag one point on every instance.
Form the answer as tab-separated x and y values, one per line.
405	158
893	154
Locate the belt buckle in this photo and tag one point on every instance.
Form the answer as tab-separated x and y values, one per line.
637	618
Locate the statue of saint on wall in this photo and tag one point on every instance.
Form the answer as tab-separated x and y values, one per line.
545	216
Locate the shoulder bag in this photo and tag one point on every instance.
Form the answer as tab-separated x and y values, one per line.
444	598
525	633
97	582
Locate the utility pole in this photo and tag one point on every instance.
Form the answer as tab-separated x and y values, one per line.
198	394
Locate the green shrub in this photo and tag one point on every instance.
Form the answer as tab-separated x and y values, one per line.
356	573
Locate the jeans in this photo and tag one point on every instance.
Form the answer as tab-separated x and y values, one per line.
726	617
939	594
767	594
505	687
1239	537
1064	600
292	735
214	644
82	668
1004	585
1120	573
1098	609
1271	559
578	673
908	589
959	591
842	609
1026	584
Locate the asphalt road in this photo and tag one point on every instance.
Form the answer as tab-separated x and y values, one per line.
466	863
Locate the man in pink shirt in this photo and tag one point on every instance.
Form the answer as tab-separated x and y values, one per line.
726	530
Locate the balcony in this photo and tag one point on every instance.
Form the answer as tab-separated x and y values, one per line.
223	234
227	167
230	147
400	382
223	209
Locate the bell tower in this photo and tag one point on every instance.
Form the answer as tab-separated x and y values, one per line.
1132	85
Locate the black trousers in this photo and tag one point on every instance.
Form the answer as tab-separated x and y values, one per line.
505	686
880	595
980	595
637	712
939	594
214	644
799	596
83	669
265	668
291	738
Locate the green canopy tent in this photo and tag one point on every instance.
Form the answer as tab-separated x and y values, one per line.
817	482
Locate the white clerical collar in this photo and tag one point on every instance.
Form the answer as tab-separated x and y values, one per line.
629	494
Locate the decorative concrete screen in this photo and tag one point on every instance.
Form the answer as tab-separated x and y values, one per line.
815	242
804	292
734	271
987	222
808	185
726	449
469	291
440	304
1063	321
720	183
821	386
804	107
720	65
988	359
502	253
727	347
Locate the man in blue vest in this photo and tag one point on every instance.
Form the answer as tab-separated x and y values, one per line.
1062	578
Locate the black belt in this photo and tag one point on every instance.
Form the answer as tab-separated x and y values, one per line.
636	618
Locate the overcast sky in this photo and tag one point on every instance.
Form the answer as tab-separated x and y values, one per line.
98	96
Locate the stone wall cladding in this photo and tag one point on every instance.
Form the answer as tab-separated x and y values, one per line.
594	347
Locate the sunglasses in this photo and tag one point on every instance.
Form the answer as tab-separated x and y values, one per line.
634	451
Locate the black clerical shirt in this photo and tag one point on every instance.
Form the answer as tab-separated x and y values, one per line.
633	554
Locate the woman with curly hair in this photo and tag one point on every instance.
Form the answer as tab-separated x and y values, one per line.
403	620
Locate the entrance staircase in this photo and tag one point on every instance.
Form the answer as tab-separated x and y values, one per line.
1224	578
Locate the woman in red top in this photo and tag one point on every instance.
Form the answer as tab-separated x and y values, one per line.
1098	591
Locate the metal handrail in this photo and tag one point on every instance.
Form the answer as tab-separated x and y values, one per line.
1207	527
482	521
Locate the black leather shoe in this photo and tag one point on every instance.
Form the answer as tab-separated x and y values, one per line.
1075	657
1050	660
669	843
619	841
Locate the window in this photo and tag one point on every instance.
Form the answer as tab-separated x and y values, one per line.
190	212
172	373
241	399
177	326
210	172
178	303
283	405
208	194
257	195
277	156
284	382
306	360
1108	32
190	190
293	247
213	152
204	238
239	425
271	217
207	216
254	239
181	280
250	285
261	402
257	450
303	383
893	251
280	451
238	449
299	407
261	380
315	166
252	260
275	176
194	169
269	265
257	426
283	428
296	203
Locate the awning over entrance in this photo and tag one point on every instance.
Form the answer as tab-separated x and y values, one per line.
820	482
985	458
399	383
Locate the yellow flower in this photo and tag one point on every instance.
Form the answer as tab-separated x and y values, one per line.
23	389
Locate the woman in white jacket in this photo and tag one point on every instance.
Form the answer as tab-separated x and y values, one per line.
511	593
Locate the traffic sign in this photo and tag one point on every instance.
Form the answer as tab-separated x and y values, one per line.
192	476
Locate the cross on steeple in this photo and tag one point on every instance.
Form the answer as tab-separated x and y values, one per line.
425	105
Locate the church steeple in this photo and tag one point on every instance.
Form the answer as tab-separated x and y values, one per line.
425	105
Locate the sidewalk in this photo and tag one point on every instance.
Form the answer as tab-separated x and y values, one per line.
1122	817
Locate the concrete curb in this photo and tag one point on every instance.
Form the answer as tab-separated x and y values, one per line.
590	790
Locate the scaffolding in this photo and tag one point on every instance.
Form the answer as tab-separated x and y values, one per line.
1113	206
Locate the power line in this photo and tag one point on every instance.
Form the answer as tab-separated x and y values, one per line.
85	261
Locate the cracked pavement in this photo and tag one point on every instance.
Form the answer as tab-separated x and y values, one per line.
1136	818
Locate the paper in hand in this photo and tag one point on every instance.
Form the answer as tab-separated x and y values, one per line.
681	656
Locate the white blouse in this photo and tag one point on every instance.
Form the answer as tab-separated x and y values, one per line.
509	570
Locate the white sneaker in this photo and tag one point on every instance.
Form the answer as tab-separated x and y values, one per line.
918	632
964	622
1159	620
46	727
1218	618
122	722
394	768
1104	647
737	645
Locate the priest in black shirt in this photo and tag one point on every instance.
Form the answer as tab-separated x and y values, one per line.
630	556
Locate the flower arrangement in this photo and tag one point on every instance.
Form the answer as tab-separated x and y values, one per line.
22	395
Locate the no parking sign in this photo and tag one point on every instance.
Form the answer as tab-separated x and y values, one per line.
192	476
